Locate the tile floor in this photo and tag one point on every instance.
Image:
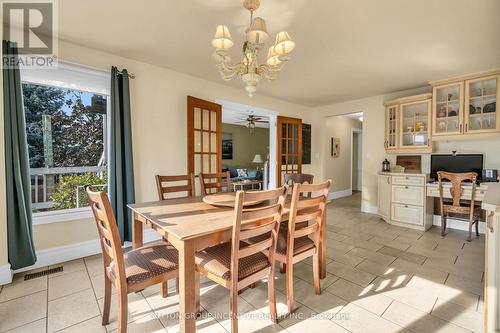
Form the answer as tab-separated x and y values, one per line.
380	279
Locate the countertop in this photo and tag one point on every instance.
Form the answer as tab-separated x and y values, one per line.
402	174
491	201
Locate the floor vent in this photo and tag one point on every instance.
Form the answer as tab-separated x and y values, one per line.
35	275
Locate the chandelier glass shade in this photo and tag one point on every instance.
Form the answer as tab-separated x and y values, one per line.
249	69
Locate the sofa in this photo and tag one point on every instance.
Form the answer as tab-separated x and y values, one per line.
249	174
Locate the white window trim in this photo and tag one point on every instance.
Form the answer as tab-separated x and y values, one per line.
62	215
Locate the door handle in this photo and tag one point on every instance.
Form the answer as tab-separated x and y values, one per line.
460	128
466	127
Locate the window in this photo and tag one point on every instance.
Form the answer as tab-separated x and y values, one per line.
65	110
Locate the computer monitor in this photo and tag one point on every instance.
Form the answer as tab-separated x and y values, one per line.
457	163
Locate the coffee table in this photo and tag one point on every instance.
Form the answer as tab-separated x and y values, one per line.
243	183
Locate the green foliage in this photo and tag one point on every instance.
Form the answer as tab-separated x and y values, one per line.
65	192
39	100
77	132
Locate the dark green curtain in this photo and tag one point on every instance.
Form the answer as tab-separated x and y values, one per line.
121	168
18	182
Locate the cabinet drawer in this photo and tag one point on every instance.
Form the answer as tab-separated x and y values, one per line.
408	214
408	180
411	195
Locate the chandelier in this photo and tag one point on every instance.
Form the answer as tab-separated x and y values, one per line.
249	68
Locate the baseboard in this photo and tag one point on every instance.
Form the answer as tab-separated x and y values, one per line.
339	194
367	208
457	224
61	254
5	274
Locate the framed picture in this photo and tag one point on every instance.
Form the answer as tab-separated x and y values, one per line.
227	146
335	147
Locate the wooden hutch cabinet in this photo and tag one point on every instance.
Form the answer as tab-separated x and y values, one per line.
407	125
465	105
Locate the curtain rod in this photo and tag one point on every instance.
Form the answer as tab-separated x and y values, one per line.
130	75
65	62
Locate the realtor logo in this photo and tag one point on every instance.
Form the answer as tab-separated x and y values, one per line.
32	26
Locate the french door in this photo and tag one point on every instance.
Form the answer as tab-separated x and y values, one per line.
204	120
289	146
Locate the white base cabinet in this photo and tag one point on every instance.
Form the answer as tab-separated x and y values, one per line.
402	200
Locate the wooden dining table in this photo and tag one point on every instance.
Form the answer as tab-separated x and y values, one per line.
190	225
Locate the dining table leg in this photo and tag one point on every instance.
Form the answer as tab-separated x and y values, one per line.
187	289
137	240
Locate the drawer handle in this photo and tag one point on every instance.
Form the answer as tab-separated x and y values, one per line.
406	187
406	206
406	178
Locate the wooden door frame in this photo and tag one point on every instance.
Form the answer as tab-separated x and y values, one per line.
358	131
193	102
279	145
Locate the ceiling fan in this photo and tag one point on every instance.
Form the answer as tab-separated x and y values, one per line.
251	120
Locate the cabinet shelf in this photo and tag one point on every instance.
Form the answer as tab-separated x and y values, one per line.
482	96
451	101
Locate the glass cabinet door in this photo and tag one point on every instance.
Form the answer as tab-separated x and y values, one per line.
448	109
391	120
415	124
481	99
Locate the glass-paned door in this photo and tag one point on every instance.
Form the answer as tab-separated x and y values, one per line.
481	99
204	136
289	146
448	106
415	120
391	127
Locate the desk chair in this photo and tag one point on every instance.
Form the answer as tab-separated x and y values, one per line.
456	209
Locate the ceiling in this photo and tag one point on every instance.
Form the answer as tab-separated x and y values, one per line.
345	49
356	115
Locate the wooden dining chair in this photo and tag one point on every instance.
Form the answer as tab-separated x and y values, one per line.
166	188
237	264
290	179
298	178
130	272
301	237
457	209
217	181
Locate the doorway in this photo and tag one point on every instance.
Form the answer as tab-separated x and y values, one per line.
241	115
357	160
344	157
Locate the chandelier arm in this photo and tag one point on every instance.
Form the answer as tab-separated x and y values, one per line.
224	66
228	77
267	69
